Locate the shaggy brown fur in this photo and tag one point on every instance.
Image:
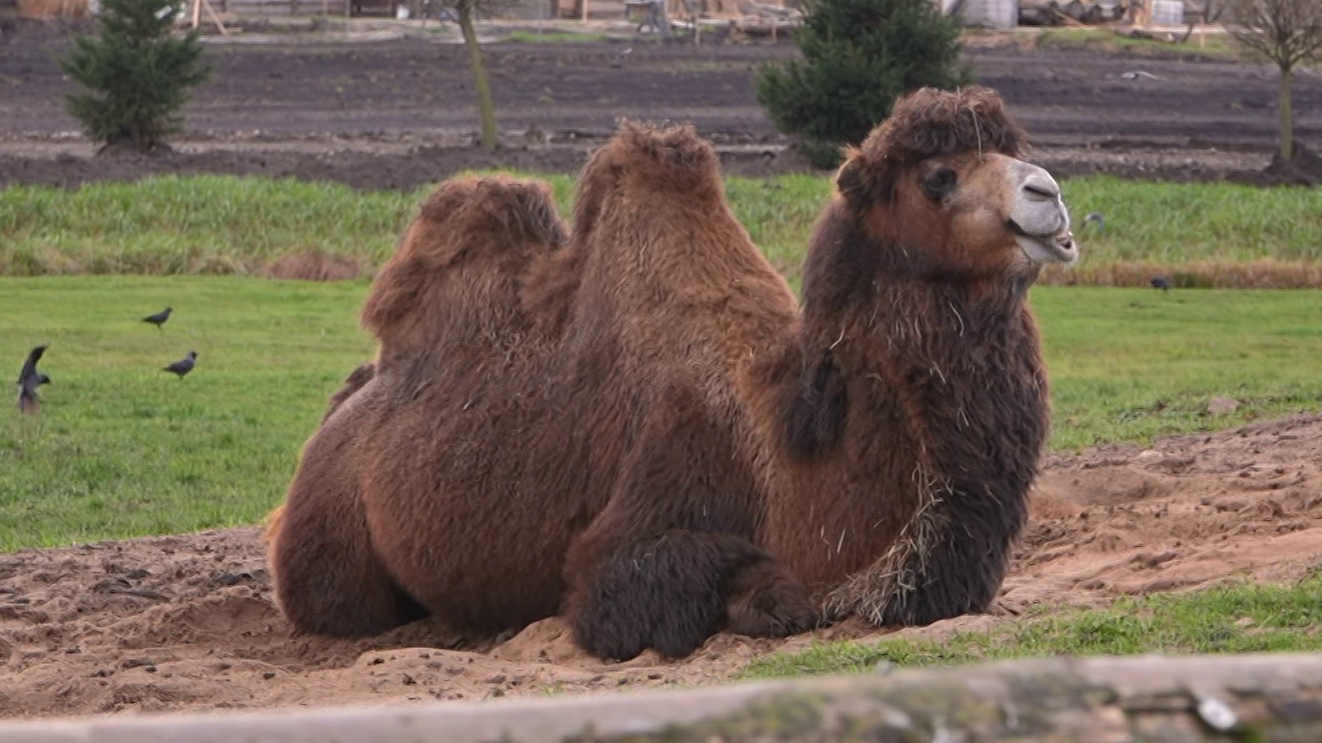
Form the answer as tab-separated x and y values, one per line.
641	429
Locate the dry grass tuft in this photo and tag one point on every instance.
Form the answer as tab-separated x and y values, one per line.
313	266
1265	273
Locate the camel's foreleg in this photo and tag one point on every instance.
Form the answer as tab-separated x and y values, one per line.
673	591
671	561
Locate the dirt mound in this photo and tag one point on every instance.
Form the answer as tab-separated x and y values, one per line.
1303	169
186	622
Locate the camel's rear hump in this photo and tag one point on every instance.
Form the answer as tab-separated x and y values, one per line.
460	262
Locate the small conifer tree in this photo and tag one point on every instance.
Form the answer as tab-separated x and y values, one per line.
859	56
137	73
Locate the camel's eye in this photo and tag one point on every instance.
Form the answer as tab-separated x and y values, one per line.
940	181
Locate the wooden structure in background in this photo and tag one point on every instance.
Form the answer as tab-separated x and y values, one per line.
198	6
51	8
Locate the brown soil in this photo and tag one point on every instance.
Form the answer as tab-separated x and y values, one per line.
186	622
400	113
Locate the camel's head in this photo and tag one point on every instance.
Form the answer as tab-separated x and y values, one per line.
940	189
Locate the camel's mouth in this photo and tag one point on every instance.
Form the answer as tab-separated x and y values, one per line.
1058	247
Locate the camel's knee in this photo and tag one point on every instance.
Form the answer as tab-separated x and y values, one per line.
672	592
327	580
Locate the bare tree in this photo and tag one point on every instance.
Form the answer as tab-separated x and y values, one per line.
1289	33
464	14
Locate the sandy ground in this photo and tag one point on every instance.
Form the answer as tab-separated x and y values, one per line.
186	622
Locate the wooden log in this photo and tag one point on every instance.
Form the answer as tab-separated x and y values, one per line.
1267	697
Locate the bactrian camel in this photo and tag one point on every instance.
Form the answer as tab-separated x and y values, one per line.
637	425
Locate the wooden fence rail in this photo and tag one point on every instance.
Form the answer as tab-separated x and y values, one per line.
1262	698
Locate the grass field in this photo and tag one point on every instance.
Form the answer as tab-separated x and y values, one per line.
1127	364
1235	619
123	449
1210	234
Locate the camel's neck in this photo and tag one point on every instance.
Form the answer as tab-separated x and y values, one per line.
926	399
962	367
958	366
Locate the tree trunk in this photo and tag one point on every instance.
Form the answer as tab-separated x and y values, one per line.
1287	117
484	102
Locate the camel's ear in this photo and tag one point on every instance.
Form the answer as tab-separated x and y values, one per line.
864	180
857	180
849	179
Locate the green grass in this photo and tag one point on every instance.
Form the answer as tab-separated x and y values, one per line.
122	449
1129	364
1218	46
1240	618
195	225
227	225
553	36
1177	223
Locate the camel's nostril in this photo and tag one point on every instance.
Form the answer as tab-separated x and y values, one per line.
1042	189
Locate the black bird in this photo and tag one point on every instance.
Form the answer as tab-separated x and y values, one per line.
182	366
159	318
1161	282
1098	218
29	379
